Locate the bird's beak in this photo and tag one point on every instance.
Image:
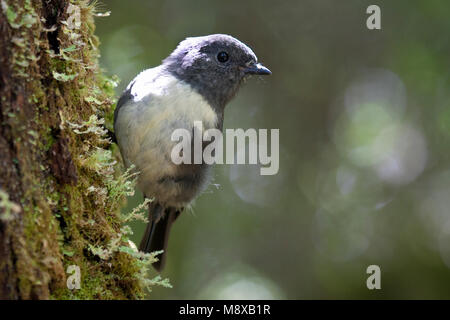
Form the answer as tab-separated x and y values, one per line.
257	68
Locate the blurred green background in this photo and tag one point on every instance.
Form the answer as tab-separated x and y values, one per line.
364	119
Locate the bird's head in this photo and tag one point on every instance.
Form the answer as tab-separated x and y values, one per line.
214	65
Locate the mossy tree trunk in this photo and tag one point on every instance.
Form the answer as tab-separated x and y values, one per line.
56	170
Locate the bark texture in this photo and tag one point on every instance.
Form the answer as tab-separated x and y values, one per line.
59	200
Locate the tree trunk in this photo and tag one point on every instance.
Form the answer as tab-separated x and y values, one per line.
59	195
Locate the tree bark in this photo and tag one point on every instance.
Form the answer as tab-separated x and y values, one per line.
57	201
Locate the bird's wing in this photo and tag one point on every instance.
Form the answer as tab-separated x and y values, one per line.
137	89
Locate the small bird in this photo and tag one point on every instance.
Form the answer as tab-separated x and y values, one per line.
194	83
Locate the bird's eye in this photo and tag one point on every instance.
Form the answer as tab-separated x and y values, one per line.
222	57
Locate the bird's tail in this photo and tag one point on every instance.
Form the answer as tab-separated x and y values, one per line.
156	234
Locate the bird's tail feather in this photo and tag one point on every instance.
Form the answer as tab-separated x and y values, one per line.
156	234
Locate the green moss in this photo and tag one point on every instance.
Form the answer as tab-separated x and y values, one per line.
70	217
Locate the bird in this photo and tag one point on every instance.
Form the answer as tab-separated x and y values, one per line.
194	83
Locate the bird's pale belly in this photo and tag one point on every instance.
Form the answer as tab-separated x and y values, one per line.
151	124
172	184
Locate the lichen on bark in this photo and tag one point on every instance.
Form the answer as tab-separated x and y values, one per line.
58	171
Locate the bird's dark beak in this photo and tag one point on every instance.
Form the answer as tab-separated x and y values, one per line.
257	68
